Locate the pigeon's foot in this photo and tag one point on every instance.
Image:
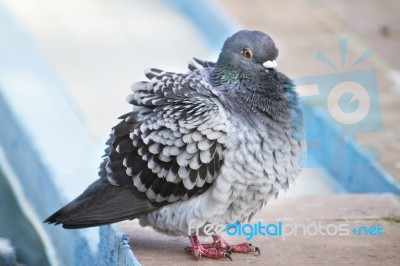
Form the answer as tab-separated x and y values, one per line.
219	244
215	250
219	248
244	248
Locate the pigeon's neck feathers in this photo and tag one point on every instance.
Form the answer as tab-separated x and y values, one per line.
230	70
270	95
269	100
224	72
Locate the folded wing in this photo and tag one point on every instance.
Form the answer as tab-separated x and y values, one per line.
169	148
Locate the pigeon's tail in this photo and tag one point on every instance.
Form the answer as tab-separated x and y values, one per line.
102	203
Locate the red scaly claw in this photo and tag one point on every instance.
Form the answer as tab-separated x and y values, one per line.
205	250
244	248
218	244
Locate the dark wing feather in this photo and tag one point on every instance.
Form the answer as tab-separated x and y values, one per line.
169	148
102	203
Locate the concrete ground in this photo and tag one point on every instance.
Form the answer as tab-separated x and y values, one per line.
348	211
99	48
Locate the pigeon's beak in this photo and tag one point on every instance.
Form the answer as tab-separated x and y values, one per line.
270	64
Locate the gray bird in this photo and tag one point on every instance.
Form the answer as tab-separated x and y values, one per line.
211	146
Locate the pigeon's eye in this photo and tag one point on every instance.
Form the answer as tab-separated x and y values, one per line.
246	52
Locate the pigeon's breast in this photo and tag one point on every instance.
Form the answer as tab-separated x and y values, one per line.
258	163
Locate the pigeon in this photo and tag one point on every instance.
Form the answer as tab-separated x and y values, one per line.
210	146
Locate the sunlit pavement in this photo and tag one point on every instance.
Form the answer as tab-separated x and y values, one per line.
330	214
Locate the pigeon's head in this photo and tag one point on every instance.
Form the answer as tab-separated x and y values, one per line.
247	53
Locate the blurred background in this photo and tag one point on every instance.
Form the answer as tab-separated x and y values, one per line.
66	68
